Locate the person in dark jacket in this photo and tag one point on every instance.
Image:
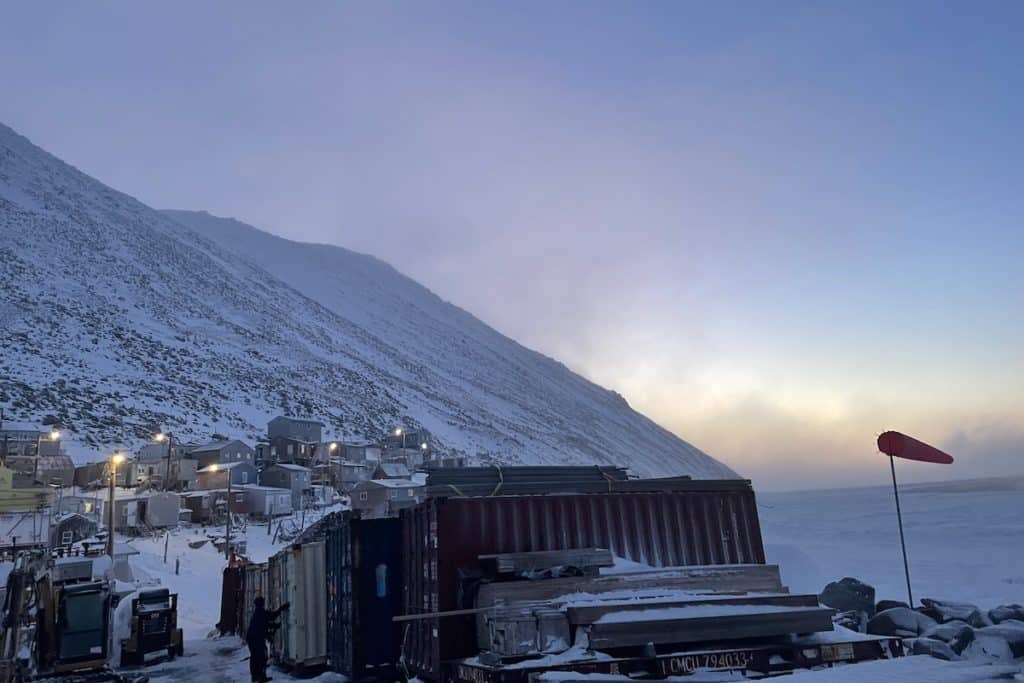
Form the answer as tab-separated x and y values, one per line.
262	625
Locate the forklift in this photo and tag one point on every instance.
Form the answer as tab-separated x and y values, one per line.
155	631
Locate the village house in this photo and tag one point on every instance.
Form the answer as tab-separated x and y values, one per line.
407	439
160	510
88	506
295	478
223	451
354	452
126	513
391	470
215	476
284	449
345	475
68	529
95	475
152	464
298	428
209	506
266	502
46	470
28	440
385	497
16	500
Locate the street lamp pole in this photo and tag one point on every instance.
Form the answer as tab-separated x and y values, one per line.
169	438
115	460
227	544
227	529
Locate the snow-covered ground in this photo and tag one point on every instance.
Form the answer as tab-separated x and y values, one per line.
198	582
965	540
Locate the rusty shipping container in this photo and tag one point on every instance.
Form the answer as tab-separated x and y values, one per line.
713	522
364	593
230	599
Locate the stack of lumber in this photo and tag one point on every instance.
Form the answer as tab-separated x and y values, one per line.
674	606
721	578
525	563
699	619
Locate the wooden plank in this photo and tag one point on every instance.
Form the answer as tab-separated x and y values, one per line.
515	563
436	615
708	629
588	614
760	578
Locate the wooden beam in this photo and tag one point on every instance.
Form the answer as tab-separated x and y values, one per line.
712	628
589	614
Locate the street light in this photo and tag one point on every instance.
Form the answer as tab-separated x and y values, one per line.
115	460
169	438
227	528
54	435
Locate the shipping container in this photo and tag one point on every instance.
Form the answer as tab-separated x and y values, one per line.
230	600
364	593
443	538
254	583
297	576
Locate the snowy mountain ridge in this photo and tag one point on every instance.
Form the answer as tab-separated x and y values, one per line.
117	314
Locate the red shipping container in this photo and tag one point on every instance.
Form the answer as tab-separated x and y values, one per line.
443	536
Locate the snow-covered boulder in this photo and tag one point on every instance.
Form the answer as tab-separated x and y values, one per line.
853	620
958	634
889	604
902	622
1012	630
943	611
1004	612
849	594
989	646
933	648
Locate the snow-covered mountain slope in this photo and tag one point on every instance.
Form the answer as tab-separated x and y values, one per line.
116	313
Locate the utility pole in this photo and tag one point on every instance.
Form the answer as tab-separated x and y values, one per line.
169	437
115	460
227	539
3	459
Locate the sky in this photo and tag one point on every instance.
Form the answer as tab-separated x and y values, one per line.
778	229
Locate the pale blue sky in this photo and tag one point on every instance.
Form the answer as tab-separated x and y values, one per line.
777	228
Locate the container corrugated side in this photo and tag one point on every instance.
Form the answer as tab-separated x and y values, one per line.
254	584
230	600
677	528
340	602
305	639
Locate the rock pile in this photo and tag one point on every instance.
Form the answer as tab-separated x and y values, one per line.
938	628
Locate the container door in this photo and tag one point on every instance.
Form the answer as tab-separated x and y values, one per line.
339	599
378	577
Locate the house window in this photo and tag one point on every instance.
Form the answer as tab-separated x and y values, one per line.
363	496
291	449
66	537
245	477
411	493
273	451
394	493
